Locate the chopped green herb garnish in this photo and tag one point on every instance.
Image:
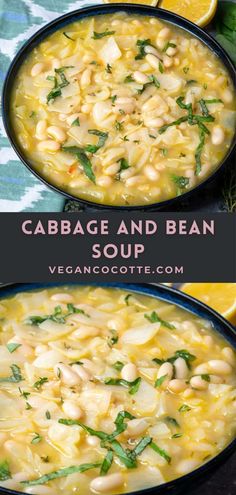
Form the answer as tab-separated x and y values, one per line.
169	45
98	36
37	438
126	299
56	91
5	473
129	79
160	451
159	381
161	68
118	365
108	69
113	338
181	183
172	421
16	375
48	414
83	159
183	353
12	347
191	81
61	473
45	458
186	69
76	122
133	386
28	406
24	394
141	445
40	382
102	139
177	435
164	151
113	99
154	318
118	125
184	408
32	114
123	166
67	36
175	122
198	152
206	377
141	46
57	316
107	462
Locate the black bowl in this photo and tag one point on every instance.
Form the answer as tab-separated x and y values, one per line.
222	326
100	10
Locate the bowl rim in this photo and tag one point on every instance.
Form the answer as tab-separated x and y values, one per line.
169	294
96	10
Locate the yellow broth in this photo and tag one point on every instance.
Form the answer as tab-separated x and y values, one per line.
63	353
129	79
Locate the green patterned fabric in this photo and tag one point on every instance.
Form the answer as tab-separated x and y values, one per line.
19	19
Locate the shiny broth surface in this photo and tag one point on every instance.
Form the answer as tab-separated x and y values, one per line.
123	110
102	391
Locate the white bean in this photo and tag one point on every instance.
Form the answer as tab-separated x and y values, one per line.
40	490
160	43
227	96
40	348
208	340
177	386
167	61
104	181
229	355
217	135
188	393
71	409
81	372
67	375
181	368
48	145
157	122
151	173
40	131
164	33
171	51
136	427
201	369
112	169
84	331
63	298
72	118
216	379
93	441
125	174
133	181
37	69
57	133
152	60
56	64
220	367
86	108
141	78
166	369
105	484
125	103
85	78
198	383
153	51
129	372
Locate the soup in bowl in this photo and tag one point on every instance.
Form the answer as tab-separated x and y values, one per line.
123	109
103	390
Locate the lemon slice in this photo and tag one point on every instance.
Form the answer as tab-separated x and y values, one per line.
201	13
219	296
151	3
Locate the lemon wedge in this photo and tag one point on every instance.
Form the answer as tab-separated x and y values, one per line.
201	13
219	296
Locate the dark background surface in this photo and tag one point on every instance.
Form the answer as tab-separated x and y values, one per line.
222	482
